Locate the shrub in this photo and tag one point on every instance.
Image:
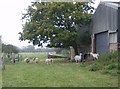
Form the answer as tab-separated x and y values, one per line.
94	67
111	66
109	57
111	72
83	65
105	71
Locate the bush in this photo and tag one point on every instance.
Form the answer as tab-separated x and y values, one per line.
111	72
83	65
109	57
105	71
107	64
94	67
111	66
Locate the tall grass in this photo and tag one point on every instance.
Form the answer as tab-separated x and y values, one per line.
61	73
107	64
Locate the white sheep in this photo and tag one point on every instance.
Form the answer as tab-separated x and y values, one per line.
78	58
26	60
95	55
49	61
36	60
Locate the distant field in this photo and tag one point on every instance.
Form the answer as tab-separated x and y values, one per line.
61	73
40	55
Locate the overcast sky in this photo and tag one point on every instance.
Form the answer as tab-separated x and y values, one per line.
10	20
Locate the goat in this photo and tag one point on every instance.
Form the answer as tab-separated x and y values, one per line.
49	61
95	55
78	58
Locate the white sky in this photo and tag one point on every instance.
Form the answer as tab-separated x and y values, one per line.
10	20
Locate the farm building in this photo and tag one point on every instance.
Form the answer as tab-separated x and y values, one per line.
106	27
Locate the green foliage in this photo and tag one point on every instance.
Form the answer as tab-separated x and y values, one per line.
9	48
111	66
107	64
94	67
55	23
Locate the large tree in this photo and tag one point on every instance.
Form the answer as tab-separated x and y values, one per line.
55	23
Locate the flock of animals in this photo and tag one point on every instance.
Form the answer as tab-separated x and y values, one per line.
37	60
83	57
78	58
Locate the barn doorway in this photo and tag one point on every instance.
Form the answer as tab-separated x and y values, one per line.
102	43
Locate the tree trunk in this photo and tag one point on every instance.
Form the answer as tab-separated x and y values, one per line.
76	50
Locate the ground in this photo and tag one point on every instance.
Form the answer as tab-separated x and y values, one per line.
61	73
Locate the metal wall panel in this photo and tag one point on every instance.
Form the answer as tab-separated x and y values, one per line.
104	19
102	45
112	19
118	36
113	37
119	25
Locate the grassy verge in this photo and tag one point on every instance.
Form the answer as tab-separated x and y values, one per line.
59	74
106	64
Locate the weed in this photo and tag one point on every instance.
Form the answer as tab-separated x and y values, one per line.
111	66
94	67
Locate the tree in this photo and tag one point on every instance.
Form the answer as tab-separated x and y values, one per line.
28	48
9	48
55	23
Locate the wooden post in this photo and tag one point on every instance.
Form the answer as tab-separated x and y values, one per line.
72	53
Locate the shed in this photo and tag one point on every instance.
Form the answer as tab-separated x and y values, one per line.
106	27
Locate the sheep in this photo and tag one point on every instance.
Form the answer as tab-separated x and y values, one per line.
49	61
36	60
95	55
78	58
26	60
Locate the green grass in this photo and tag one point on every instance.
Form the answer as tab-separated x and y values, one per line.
107	64
41	55
59	74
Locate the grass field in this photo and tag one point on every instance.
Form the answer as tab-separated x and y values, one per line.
59	74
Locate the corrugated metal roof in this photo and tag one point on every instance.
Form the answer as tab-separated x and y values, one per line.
114	5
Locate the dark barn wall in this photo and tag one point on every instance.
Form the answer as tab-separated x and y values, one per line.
105	18
118	29
102	45
99	20
105	21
